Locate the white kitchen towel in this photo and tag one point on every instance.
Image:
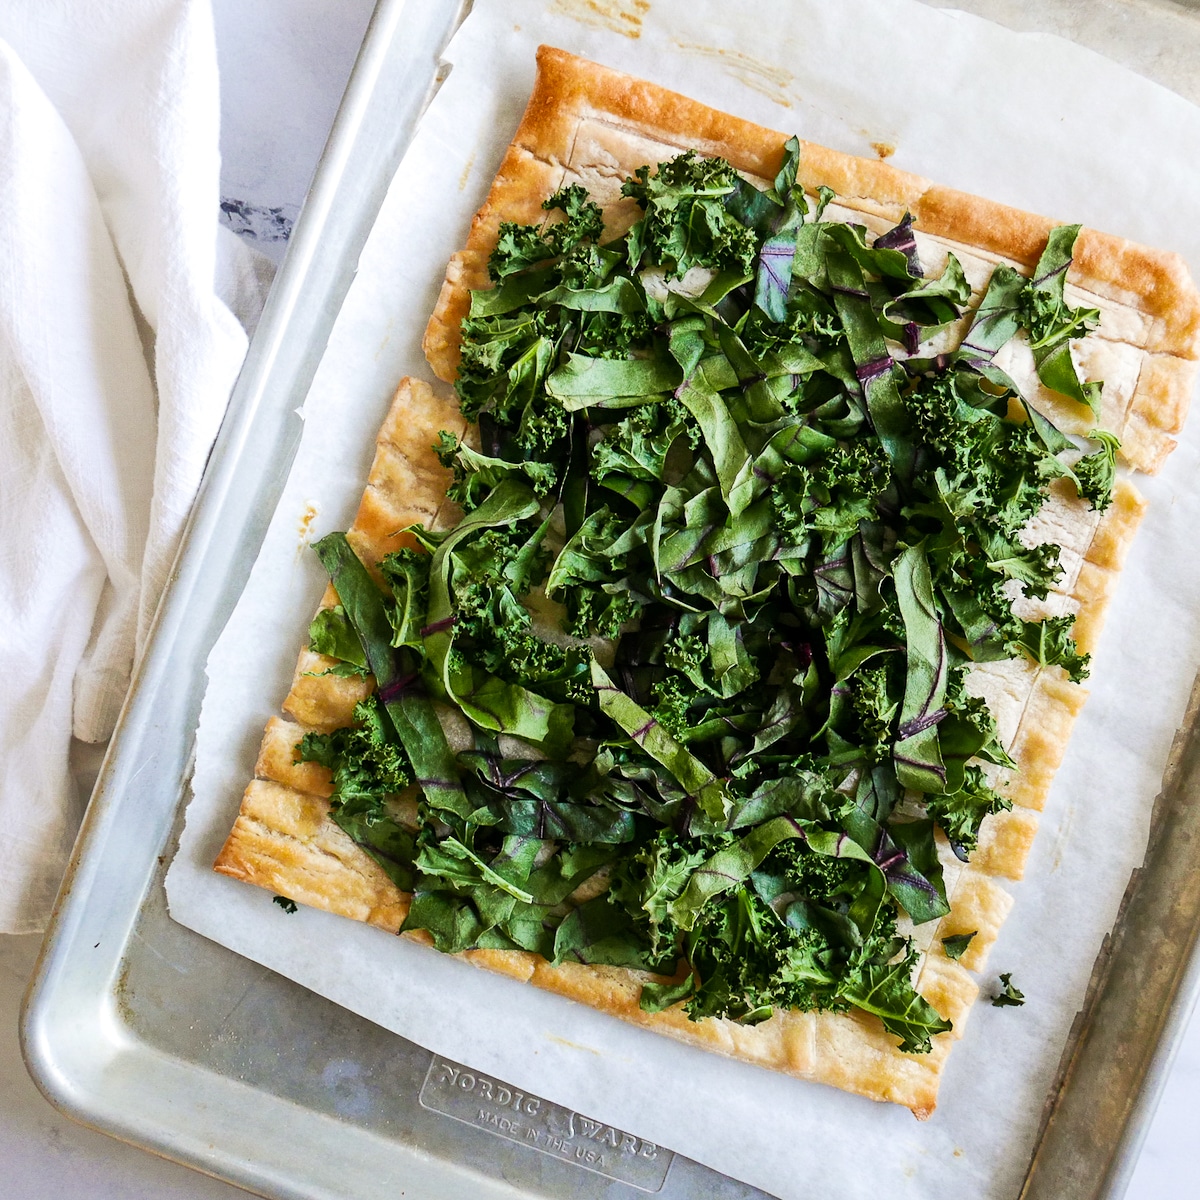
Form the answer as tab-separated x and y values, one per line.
116	362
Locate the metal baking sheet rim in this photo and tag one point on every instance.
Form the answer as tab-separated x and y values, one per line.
82	1051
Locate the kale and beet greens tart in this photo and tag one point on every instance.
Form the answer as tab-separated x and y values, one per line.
732	541
779	525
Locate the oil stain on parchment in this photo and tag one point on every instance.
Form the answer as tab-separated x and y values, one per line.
571	1045
771	81
387	337
883	149
304	527
618	16
466	173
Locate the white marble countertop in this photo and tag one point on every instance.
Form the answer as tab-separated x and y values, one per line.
284	64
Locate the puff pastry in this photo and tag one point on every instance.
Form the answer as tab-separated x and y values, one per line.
592	125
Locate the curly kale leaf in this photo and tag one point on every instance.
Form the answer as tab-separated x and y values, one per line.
877	707
1096	473
647	883
1046	314
887	991
519	247
407	573
491	577
475	474
832	494
960	813
780	939
686	222
639	445
795	938
583	574
582	220
369	767
990	471
1008	996
366	759
1049	642
748	962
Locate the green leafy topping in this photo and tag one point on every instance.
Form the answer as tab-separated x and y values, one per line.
1008	996
686	222
365	758
1096	473
1049	642
332	634
369	766
961	812
521	246
886	991
1052	323
956	945
731	546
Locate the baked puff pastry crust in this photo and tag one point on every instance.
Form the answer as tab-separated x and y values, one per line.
591	125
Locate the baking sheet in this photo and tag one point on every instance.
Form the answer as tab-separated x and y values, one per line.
1026	119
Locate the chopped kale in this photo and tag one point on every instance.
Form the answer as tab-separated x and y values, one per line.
730	550
1052	323
1008	996
687	223
1096	473
956	945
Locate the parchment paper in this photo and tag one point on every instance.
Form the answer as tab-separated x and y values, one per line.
1027	119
